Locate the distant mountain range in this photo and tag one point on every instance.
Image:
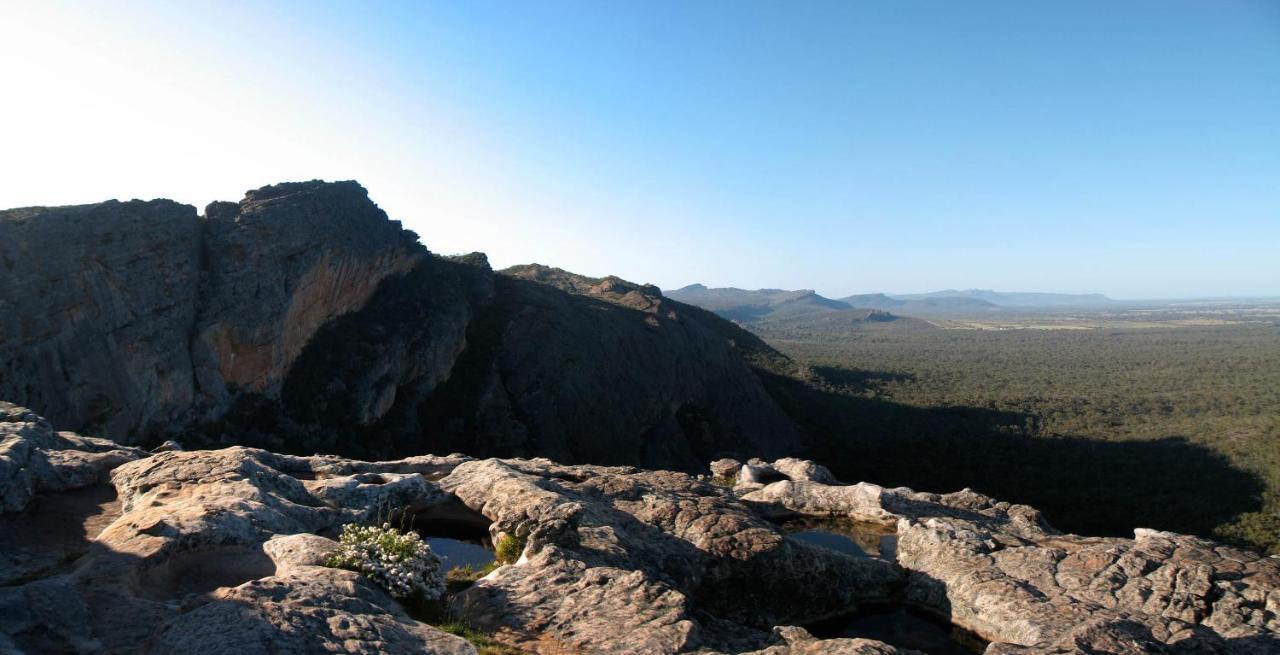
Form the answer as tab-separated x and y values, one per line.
1012	299
772	305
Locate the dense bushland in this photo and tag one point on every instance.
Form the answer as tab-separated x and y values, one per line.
1175	428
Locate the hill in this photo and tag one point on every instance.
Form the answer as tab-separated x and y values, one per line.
303	319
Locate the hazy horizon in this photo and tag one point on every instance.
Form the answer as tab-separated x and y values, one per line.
1131	150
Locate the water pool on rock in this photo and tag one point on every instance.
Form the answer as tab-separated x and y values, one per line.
902	627
858	538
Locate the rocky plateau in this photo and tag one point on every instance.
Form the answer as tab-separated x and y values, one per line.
219	551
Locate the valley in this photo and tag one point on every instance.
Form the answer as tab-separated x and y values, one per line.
1165	416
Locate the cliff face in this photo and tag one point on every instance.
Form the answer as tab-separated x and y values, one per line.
134	318
302	318
97	304
279	265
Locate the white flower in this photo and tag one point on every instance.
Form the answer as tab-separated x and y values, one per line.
402	563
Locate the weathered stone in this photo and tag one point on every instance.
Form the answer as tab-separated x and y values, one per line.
34	458
624	560
96	308
725	468
216	551
220	551
797	641
1000	571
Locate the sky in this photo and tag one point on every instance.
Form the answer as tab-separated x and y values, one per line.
1129	148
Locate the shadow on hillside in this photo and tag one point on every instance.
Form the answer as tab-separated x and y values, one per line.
1081	485
859	379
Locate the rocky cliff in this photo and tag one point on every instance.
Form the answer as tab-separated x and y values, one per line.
303	319
221	551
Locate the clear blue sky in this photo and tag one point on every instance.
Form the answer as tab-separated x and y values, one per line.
1130	148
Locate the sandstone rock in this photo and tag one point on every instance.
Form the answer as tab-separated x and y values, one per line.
726	468
630	561
96	308
215	551
278	266
805	470
218	551
304	609
34	458
999	570
98	303
546	371
797	641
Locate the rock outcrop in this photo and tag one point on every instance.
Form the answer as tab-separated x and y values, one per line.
97	303
220	551
277	267
302	319
608	372
627	561
1000	571
131	319
35	459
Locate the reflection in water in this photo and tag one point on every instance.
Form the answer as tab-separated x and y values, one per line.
458	543
836	542
903	628
856	538
456	552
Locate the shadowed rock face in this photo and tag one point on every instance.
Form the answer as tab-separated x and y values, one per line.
602	371
277	267
134	318
97	303
303	319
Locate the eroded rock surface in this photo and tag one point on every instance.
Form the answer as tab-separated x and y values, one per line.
631	561
34	458
215	551
96	308
131	319
1000	571
190	563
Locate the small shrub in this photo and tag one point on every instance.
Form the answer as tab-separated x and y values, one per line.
461	577
398	561
485	645
509	548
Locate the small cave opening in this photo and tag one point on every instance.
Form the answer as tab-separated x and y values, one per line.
456	533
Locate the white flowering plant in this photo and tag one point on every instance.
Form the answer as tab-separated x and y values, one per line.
396	560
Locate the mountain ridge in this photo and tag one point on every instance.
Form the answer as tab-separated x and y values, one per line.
303	319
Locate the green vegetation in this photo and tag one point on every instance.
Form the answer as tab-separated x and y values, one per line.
721	481
461	577
484	643
399	561
509	548
1104	422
